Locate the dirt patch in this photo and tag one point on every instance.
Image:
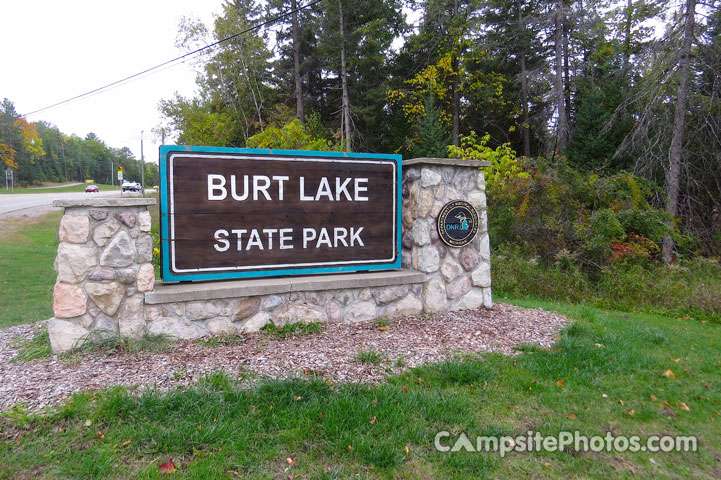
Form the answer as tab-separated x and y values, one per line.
403	343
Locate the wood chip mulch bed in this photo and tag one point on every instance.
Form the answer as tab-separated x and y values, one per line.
332	354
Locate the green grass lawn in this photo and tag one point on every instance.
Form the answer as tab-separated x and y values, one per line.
72	188
27	275
605	374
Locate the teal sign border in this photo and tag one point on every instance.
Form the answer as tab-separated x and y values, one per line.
168	276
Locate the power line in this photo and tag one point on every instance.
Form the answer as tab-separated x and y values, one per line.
174	60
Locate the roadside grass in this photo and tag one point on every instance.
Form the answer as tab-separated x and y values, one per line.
27	276
35	348
604	374
71	188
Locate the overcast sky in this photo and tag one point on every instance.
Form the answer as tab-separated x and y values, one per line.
52	50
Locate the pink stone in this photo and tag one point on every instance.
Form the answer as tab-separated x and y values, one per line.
74	229
69	301
146	277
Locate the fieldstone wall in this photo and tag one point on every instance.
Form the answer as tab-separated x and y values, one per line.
456	278
195	319
106	282
103	270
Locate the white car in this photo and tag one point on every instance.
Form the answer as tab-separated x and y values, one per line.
129	186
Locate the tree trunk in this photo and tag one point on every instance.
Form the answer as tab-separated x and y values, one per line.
525	133
454	85
673	173
296	63
345	119
559	88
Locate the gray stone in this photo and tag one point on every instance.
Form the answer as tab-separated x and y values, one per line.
434	231
201	310
130	291
442	249
407	240
134	233
102	275
173	309
434	296
360	311
246	308
316	298
465	180
473	299
334	312
451	195
105	231
483	221
481	181
487	298
428	259
344	296
482	275
469	258
425	202
144	222
131	318
411	173
119	252
448	173
65	335
103	322
74	262
450	269
478	200
107	296
407	218
153	312
144	246
255	323
74	229
421	232
484	248
436	208
297	312
220	326
99	215
126	218
406	260
177	327
386	295
272	301
429	178
458	287
409	305
125	275
364	294
84	321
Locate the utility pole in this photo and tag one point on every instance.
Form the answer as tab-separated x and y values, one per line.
142	165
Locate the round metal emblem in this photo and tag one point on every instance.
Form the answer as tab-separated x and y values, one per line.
457	223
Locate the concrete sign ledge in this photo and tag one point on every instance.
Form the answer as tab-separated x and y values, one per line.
188	292
105	202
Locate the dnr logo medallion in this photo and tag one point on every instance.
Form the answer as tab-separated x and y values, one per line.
457	223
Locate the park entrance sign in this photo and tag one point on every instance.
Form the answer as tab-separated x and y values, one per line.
237	213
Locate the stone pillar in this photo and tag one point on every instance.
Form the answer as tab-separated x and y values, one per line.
103	269
456	278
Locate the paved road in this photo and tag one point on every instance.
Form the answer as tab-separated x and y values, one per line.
14	202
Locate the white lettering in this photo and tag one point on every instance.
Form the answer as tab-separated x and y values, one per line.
270	232
280	180
303	196
233	187
254	240
219	234
355	236
308	235
323	238
359	189
215	183
285	238
324	190
337	237
342	188
239	234
258	188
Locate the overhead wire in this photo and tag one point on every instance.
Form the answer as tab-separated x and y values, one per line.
169	63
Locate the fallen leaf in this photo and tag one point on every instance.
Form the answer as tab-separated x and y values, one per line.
420	380
408	450
88	422
290	461
404	389
306	371
604	396
654	398
297	397
546	464
101	436
322	415
620	401
383	329
271	407
599	345
669	374
168	467
571	416
126	443
631	412
373	420
665	404
560	383
350	448
683	406
677	360
515	363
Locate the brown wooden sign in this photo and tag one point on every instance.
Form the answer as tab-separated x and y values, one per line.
233	213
